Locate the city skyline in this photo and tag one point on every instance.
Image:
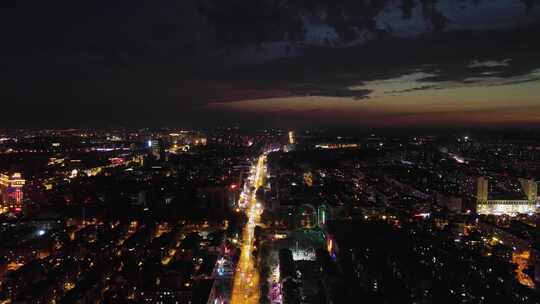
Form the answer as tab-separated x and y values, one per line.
270	152
232	215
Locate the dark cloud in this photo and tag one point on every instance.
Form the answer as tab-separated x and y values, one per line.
420	88
130	62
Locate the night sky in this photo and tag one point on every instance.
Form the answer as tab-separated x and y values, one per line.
270	63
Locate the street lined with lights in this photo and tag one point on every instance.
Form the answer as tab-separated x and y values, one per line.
246	279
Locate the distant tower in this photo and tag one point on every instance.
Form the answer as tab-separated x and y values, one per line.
157	148
482	189
11	192
308	179
530	188
291	138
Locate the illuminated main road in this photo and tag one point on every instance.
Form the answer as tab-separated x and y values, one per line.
246	278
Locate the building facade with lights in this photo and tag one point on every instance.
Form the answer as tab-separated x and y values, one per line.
11	192
487	206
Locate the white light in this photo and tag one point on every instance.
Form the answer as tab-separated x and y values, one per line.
41	232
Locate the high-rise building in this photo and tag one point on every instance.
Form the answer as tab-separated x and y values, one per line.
530	188
308	179
11	192
536	252
157	148
291	138
482	189
485	205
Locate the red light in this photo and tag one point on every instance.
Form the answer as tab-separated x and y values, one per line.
234	186
18	209
423	215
